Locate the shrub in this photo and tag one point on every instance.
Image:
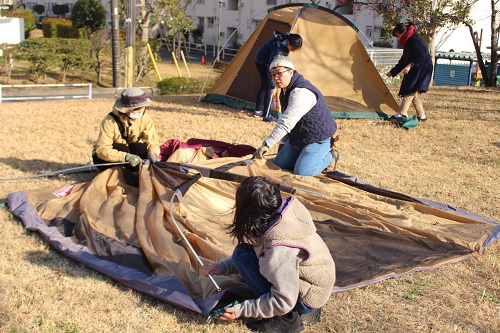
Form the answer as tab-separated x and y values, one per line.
88	14
39	9
53	27
383	43
60	10
390	81
182	85
27	15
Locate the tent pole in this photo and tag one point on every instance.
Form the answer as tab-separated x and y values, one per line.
178	195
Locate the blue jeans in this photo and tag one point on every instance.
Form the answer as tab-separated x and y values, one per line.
309	160
246	262
264	94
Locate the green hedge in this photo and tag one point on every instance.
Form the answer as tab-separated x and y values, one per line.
27	15
182	85
54	27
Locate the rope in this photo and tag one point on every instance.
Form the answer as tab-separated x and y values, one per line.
64	171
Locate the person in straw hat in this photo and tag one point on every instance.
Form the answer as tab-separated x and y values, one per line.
127	133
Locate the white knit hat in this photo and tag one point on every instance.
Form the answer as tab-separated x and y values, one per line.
281	60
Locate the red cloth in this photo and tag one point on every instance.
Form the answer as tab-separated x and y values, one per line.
404	37
221	148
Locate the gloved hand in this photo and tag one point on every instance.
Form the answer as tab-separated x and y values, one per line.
133	160
259	153
153	157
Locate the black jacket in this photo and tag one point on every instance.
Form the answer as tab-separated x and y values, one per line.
419	77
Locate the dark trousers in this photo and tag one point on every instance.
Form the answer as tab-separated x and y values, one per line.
264	94
137	148
247	264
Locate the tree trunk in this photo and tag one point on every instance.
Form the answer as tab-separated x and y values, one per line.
479	56
494	45
429	40
99	72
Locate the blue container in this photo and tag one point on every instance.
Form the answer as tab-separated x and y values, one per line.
452	75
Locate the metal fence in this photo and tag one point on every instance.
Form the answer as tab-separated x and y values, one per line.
384	56
39	91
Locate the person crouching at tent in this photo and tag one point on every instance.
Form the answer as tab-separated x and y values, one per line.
281	258
285	43
127	133
306	121
416	65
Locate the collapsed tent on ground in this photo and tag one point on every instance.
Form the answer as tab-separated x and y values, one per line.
332	58
135	235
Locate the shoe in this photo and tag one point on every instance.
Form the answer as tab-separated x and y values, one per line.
258	113
311	318
397	121
288	323
270	119
421	119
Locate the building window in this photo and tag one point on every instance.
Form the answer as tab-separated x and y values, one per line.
201	23
271	2
369	31
231	4
210	23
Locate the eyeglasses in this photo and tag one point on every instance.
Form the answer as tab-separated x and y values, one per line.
278	74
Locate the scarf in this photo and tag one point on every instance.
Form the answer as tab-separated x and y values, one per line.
404	37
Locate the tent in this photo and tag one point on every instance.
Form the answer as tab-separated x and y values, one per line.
332	58
135	234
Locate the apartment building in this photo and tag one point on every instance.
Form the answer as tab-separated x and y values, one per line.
50	4
233	21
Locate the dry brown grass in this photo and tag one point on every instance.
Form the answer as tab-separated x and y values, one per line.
452	158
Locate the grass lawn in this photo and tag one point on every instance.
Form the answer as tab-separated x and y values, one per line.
453	158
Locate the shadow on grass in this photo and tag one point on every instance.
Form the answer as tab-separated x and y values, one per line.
37	168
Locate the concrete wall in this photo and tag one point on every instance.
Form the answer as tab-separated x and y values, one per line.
11	30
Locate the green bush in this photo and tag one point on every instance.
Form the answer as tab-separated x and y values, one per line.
182	85
27	15
53	27
39	9
383	43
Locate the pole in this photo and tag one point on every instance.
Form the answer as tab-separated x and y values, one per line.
115	38
218	30
185	63
479	44
179	196
130	43
153	61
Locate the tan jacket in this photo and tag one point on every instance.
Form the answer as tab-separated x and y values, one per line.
136	130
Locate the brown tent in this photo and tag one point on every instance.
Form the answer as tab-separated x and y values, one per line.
332	58
132	234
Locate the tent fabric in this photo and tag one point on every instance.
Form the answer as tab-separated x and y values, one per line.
332	58
131	235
